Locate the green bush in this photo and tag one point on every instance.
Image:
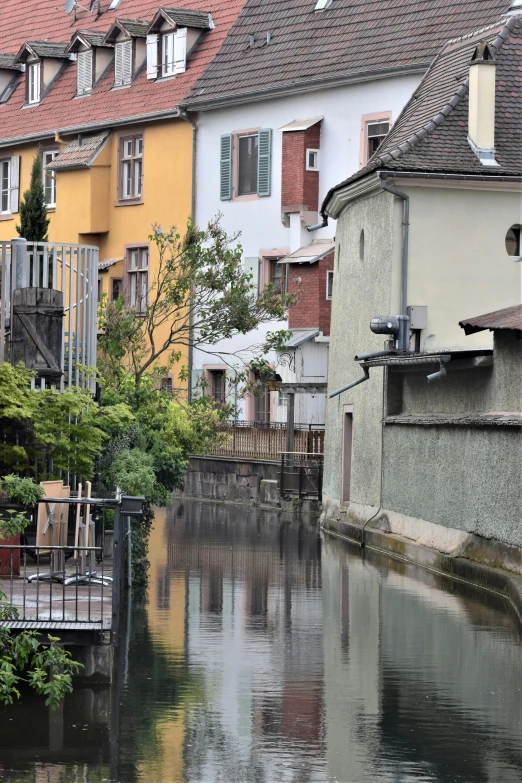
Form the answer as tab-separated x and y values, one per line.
24	491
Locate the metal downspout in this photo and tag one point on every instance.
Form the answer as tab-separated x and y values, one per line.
405	239
184	116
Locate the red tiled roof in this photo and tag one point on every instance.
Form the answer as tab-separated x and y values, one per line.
60	110
508	318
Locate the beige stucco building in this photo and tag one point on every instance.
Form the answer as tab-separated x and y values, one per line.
431	229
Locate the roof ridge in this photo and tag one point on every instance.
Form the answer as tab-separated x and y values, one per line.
467	36
448	108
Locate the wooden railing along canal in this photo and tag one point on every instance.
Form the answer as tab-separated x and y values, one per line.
267	440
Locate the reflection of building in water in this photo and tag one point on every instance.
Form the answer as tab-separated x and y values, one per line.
166	624
263	672
416	675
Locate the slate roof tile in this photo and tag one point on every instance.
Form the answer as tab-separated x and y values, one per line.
350	38
431	133
185	17
60	109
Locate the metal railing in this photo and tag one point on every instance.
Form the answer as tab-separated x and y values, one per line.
71	269
266	440
301	475
46	592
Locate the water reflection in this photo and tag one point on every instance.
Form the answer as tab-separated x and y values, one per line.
266	653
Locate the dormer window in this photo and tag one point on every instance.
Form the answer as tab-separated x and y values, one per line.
43	62
84	72
33	83
170	35
123	64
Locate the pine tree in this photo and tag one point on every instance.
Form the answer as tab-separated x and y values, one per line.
33	212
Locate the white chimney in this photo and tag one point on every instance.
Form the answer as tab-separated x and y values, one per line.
481	119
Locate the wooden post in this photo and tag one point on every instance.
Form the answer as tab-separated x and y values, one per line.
290	414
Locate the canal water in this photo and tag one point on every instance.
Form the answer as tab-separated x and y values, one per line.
268	653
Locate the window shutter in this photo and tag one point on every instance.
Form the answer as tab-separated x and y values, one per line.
127	62
264	162
80	74
252	268
225	190
87	59
15	184
180	50
118	64
152	56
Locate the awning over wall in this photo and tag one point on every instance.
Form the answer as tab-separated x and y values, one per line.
311	253
508	318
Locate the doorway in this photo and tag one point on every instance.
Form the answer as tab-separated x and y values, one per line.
347	454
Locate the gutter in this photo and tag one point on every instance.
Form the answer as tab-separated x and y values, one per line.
308	86
184	116
106	124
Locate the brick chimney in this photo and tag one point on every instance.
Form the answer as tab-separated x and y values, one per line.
300	172
481	117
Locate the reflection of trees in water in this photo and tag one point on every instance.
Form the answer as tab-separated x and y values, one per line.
157	685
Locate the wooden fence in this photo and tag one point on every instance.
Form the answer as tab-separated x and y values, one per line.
256	440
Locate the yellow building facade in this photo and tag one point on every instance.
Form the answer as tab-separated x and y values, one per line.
87	205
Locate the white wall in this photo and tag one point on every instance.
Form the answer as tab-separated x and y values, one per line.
259	220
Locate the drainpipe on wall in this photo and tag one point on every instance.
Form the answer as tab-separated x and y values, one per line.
184	116
405	235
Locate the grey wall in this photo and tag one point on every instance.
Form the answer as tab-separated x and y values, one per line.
228	479
464	477
363	287
468	478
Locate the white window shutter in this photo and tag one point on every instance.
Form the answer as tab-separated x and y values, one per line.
152	56
251	265
127	62
264	162
80	74
225	185
15	184
87	79
118	64
180	50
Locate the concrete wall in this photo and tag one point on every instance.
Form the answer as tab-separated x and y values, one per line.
234	480
361	290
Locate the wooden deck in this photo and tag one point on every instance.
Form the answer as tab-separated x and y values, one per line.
50	605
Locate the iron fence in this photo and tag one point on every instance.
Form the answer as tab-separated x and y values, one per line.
301	475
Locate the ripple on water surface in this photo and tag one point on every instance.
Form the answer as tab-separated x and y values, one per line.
267	653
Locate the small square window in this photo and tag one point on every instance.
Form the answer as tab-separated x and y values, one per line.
376	133
312	160
329	283
116	288
322	4
283	399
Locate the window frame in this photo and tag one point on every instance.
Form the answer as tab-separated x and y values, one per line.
136	273
329	276
113	280
123	200
46	152
517	231
3	162
170	35
371	119
236	135
32	67
316	153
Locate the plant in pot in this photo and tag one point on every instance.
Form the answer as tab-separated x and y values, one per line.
18	503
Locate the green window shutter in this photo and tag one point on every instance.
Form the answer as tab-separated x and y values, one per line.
225	186
252	268
264	161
